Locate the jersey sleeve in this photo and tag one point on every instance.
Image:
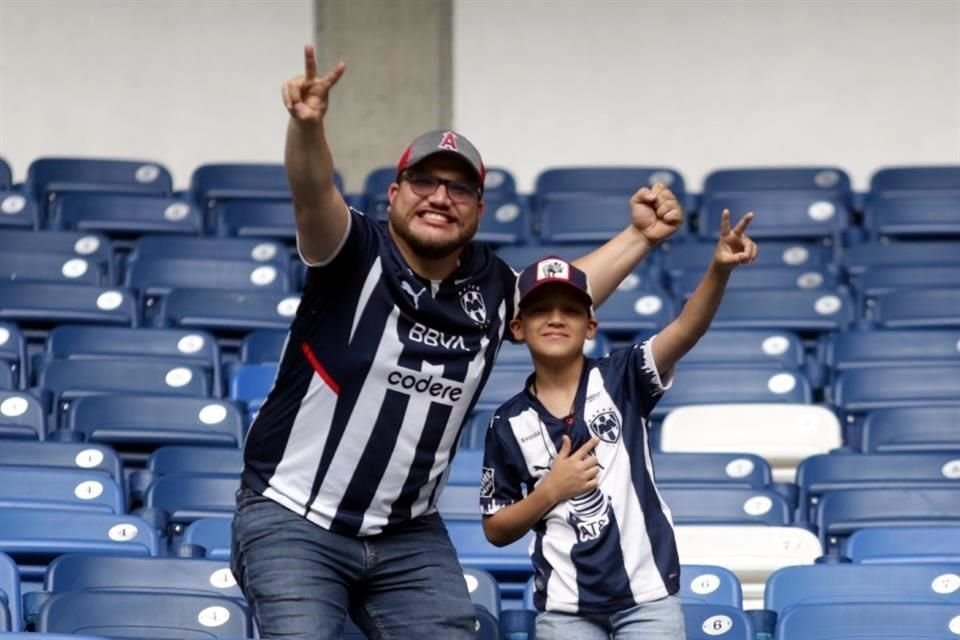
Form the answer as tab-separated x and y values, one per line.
501	479
645	383
357	251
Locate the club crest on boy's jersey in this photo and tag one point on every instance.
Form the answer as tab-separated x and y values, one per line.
606	426
472	303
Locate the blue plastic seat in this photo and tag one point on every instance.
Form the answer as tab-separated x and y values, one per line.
738	385
912	430
121	215
37	267
880	349
22	417
758	279
211	534
48	178
843	511
7	379
32	635
510	565
43	305
829	181
893	181
60	489
475	429
622	181
18	210
263	347
579	218
868	255
627	312
195	459
880	281
710	470
34	537
499	182
6	175
899	544
189	497
913	216
11	617
505	221
465	469
375	187
255	219
694	256
227	249
723	347
13	352
795	310
919	309
154	421
856	621
252	181
727	505
519	257
856	583
503	384
144	615
820	474
709	621
460	502
194	348
779	214
250	384
227	312
484	590
62	455
94	248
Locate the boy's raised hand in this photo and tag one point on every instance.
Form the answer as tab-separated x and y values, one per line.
734	247
573	473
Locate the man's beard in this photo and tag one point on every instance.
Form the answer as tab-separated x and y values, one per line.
433	250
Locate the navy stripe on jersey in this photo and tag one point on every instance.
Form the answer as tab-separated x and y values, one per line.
360	426
613	547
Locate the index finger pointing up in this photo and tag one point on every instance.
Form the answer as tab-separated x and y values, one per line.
309	62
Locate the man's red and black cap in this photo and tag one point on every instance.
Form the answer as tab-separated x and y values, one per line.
443	141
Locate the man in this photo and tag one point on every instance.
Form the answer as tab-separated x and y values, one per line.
396	333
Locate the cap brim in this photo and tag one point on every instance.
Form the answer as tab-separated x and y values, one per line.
572	288
450	154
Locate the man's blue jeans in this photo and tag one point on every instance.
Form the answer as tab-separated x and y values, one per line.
302	580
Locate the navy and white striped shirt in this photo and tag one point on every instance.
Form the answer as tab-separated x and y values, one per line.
611	548
379	371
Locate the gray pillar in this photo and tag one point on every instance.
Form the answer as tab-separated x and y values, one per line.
398	81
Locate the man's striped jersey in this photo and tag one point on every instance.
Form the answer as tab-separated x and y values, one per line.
611	548
377	376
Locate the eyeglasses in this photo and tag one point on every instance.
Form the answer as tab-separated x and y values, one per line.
426	184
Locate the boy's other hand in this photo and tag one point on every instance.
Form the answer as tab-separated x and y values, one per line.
573	472
734	247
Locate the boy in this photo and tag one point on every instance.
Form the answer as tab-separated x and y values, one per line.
605	558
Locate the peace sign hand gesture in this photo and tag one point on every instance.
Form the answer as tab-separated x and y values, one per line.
306	96
734	247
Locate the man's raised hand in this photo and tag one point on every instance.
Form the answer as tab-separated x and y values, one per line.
734	247
656	213
306	96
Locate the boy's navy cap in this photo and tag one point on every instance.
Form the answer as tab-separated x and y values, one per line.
551	270
442	141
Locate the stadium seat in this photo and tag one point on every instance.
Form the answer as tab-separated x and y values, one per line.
36	267
708	621
475	428
17	211
97	572
781	215
21	417
487	626
854	583
828	181
194	348
13	352
62	455
856	392
484	590
694	256
519	257
622	181
880	349
582	218
503	384
913	216
60	490
751	552
758	280
212	535
919	309
726	505
250	384
226	249
880	281
808	311
34	537
121	215
510	565
153	421
695	385
42	305
189	497
878	621
144	615
902	544
189	460
375	187
499	182
465	469
255	219
6	175
48	178
711	470
227	312
782	434
820	474
627	312
894	181
32	635
11	617
94	248
8	381
263	347
868	255
724	347
912	430
505	221
843	511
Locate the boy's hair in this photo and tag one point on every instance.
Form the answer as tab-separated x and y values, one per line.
553	270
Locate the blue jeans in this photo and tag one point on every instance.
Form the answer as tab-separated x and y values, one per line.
658	620
302	580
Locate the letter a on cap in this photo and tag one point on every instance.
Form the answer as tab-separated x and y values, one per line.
449	141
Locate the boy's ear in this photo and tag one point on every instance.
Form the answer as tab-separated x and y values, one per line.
516	328
591	329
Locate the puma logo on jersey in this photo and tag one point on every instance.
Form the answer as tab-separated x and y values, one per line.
414	295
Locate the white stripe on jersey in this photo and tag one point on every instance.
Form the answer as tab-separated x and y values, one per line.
373	277
562	591
293	478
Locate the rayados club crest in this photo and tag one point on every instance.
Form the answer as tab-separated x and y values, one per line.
472	302
606	426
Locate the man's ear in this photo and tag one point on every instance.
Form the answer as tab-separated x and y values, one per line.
392	191
516	328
